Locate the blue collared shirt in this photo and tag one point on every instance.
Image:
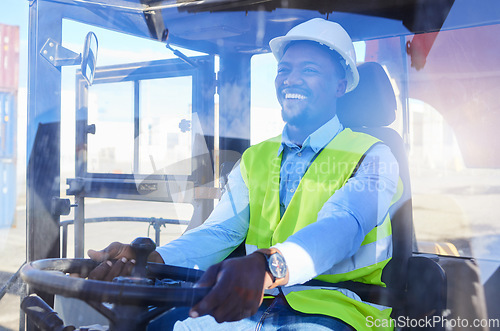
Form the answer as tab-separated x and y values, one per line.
296	159
341	225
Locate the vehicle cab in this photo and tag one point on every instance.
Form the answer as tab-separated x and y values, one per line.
138	110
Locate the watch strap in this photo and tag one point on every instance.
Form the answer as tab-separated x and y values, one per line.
267	252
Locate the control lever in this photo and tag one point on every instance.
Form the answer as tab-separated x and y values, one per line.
42	315
142	246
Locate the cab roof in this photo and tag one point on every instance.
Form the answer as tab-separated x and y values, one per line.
246	26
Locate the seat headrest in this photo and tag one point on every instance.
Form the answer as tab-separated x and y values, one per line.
372	103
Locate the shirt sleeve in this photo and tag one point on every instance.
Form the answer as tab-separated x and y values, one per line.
219	235
344	220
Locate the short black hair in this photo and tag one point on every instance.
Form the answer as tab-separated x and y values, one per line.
337	59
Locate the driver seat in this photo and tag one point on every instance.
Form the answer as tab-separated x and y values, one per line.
416	284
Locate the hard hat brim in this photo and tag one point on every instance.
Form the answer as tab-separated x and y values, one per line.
278	45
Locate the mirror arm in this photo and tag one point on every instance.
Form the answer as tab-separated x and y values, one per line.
181	56
58	55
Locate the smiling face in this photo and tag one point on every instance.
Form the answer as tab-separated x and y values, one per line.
308	84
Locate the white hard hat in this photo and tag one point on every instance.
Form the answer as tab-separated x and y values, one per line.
326	33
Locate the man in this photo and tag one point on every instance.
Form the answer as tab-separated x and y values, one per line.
311	203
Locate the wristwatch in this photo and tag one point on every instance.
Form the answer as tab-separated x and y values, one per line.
276	264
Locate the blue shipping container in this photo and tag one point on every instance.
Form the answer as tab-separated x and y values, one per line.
8	125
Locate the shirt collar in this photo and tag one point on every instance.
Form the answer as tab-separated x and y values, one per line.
316	140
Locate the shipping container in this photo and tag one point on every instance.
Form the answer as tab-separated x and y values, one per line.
9	57
9	81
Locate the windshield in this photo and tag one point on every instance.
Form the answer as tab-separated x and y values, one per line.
182	89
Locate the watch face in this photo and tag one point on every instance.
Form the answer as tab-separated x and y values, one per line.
277	265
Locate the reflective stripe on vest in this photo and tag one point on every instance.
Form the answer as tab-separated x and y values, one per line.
260	168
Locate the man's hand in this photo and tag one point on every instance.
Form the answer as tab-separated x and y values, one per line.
237	288
115	250
125	261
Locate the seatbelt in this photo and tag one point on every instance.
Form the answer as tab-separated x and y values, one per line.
367	292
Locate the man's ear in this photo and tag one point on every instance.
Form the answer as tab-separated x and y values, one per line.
341	87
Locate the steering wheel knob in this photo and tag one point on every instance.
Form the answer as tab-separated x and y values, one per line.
142	247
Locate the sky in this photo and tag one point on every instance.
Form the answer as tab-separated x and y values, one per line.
17	13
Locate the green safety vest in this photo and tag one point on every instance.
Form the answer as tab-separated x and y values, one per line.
260	168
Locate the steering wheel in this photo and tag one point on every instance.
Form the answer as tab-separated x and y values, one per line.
134	302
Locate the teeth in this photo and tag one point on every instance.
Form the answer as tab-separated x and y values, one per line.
294	96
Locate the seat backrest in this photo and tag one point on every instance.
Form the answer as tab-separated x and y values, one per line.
370	108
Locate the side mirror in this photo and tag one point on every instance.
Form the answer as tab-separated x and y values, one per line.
60	56
89	58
